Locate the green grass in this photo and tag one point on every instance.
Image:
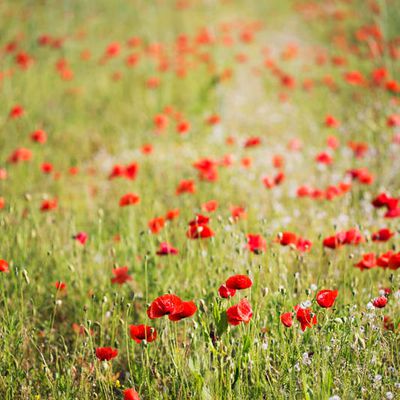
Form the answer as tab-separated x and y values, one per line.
94	122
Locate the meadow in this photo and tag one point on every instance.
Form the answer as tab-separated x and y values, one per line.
200	199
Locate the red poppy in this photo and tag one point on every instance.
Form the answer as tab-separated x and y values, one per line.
326	298
187	309
287	238
183	127
380	302
225	292
81	237
16	112
48	205
165	249
287	319
60	286
209	206
368	261
2	203
147	148
131	394
172	214
21	154
256	243
207	169
213	119
240	312
238	282
238	212
39	136
120	275
394	261
129	199
156	225
305	316
383	235
331	122
198	228
383	260
106	353
47	168
186	186
252	142
303	244
166	304
142	332
4	267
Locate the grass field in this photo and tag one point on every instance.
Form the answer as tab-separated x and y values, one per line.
193	141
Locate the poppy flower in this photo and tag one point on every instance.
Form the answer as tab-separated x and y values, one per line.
383	200
81	237
120	275
129	199
326	298
287	238
4	267
147	149
303	245
21	154
268	182
225	292
2	203
131	394
368	261
241	312
166	304
172	214
394	261
256	243
383	260
142	332
39	136
186	186
383	235
46	168
287	319
16	112
183	127
331	122
131	171
380	302
156	225
252	142
238	212
106	353
238	282
213	119
60	286
165	249
207	169
209	206
198	228
305	316
48	205
160	122
187	309
324	158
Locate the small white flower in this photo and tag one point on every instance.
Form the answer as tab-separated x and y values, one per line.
313	287
264	346
377	378
335	397
389	395
370	306
305	304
